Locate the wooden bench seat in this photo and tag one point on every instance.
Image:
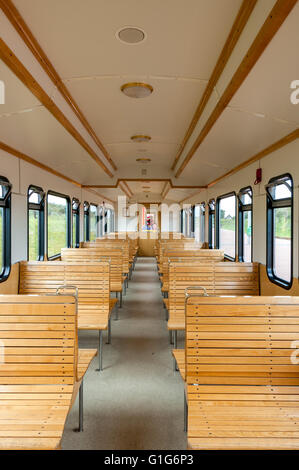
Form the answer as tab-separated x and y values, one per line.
90	278
98	253
179	356
242	385
40	369
218	278
193	254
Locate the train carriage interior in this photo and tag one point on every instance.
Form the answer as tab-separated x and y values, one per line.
149	231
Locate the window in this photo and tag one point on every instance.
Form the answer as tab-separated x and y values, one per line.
280	230
245	224
36	223
59	233
93	222
198	222
212	224
5	228
86	221
226	225
185	222
195	221
110	220
75	223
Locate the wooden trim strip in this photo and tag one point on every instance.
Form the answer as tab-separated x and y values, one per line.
26	158
124	191
27	79
189	197
23	30
272	24
164	188
100	195
128	188
166	192
272	148
233	37
120	180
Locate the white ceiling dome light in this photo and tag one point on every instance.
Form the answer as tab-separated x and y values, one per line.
131	35
137	89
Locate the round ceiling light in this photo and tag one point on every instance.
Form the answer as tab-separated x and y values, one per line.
130	35
143	160
140	138
137	89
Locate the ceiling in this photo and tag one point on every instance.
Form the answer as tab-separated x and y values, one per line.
182	45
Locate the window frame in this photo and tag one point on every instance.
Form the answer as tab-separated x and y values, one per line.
97	218
271	204
5	203
212	212
244	208
76	212
202	218
68	225
219	198
86	233
41	222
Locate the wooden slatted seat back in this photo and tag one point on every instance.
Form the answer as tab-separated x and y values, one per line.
192	253
242	341
175	245
97	253
91	278
38	369
215	277
122	245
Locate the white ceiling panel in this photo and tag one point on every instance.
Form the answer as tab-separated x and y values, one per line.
183	38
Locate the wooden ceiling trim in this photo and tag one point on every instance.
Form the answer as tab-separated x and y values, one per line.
272	148
28	80
143	180
26	158
105	198
23	30
128	188
124	190
166	192
275	19
164	188
233	37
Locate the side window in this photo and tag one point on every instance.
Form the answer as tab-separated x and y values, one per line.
5	228
226	225
212	224
110	220
86	221
93	222
196	221
245	224
36	223
59	233
202	218
280	230
75	223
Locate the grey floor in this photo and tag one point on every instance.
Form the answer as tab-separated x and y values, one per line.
136	402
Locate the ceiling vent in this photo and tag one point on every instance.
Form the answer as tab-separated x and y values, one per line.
130	35
144	171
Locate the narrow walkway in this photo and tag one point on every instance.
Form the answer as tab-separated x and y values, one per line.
137	401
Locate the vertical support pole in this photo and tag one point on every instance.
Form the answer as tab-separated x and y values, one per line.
80	428
109	331
100	350
116	309
175	339
121	300
185	413
170	337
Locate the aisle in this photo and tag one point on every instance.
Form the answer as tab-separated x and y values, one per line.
137	401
